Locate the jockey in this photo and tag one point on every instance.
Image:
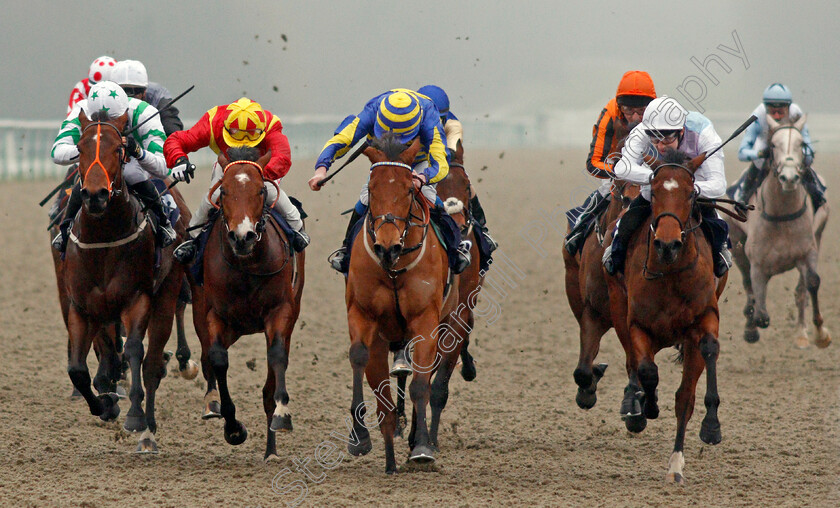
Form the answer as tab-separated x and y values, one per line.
778	103
454	132
99	70
131	76
666	125
409	115
243	123
634	93
144	147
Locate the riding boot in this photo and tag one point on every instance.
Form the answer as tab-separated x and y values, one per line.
592	207
74	204
615	255
477	213
338	257
752	180
457	249
814	186
148	194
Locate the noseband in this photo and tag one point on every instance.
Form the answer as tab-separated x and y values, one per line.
111	191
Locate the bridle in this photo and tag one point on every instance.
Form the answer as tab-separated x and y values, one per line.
259	228
776	167
416	198
112	192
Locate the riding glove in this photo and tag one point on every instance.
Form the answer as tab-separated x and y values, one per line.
183	170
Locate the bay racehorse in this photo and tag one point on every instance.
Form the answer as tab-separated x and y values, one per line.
669	297
395	293
110	276
784	233
588	295
253	282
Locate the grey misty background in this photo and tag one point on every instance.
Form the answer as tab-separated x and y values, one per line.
497	59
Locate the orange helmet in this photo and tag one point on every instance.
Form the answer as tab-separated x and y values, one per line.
635	89
245	124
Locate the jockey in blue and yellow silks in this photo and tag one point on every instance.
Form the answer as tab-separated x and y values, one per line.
409	115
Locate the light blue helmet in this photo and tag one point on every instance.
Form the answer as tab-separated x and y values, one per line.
777	93
438	96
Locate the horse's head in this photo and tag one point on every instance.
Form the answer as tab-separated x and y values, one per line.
100	159
672	201
625	192
455	192
242	197
391	198
787	160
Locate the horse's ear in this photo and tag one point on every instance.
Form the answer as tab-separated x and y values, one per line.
83	118
696	162
374	155
262	161
652	161
223	161
772	123
459	152
407	157
801	122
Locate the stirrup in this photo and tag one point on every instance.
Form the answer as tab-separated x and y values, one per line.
336	259
166	235
723	262
401	365
185	253
607	261
58	242
464	258
492	244
300	240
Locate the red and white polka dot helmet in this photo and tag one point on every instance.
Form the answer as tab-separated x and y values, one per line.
101	69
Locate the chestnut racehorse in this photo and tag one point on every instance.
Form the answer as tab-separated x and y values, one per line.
109	276
253	283
395	292
586	289
669	297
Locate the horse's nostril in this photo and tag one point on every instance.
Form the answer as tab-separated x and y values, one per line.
85	194
250	236
657	244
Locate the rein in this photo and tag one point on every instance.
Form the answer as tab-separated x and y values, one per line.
97	161
234	265
776	166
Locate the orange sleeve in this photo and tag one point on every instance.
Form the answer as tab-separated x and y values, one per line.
602	142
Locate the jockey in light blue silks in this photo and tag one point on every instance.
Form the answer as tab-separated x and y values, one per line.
777	102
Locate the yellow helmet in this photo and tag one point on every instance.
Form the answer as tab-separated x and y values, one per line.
245	124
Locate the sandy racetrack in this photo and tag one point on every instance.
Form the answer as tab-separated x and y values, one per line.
513	436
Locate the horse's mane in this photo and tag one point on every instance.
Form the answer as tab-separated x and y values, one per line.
100	116
389	145
243	153
674	156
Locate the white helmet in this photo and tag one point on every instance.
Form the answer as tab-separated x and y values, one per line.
106	96
664	114
101	69
130	73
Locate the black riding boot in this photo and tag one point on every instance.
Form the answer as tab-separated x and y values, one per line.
592	207
477	213
631	220
815	188
338	259
716	231
148	194
752	180
74	204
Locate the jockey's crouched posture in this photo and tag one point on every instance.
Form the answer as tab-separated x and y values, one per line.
243	123
777	101
666	125
408	115
144	147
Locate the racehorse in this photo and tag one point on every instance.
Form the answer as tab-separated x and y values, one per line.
395	292
669	297
253	283
110	276
586	289
785	233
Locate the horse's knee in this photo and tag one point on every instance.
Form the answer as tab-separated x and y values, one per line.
709	347
418	390
648	375
277	354
359	355
439	394
79	374
218	357
134	348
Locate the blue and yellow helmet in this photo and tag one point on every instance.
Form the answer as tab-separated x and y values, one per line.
400	113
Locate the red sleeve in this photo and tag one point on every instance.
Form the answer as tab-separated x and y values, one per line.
281	154
180	143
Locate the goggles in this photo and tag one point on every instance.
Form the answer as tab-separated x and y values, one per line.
243	134
134	91
662	136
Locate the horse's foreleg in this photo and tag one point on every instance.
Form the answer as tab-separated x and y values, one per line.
424	360
186	367
587	375
136	320
812	283
639	401
212	404
401	419
692	368
760	316
221	337
379	380
801	297
467	321
361	333
278	329
78	346
108	372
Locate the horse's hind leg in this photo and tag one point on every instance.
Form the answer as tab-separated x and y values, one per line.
108	373
751	334
379	380
440	393
222	337
79	341
801	296
212	404
586	375
401	419
812	283
275	397
186	367
136	320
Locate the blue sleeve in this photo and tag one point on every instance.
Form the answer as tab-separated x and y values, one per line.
432	137
746	152
344	139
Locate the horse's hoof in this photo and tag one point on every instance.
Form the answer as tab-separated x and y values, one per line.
190	371
599	370
761	319
213	410
422	454
237	435
120	391
635	424
391	470
751	336
676	478
823	338
362	448
468	371
135	423
112	407
272	457
147	445
801	341
651	411
710	432
586	399
76	395
282	423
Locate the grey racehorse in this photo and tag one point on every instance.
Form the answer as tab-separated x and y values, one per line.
783	233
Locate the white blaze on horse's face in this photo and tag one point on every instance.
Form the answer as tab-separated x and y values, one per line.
242	178
244	227
788	158
670	185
